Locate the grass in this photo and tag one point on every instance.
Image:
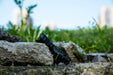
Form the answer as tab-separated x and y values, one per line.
94	39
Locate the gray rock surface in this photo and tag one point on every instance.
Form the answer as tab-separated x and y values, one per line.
5	36
72	69
24	53
110	55
75	52
100	57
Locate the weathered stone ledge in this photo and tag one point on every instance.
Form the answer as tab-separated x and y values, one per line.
71	69
6	36
24	53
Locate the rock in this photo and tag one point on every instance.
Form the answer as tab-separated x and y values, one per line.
89	69
72	69
99	57
5	36
24	53
75	52
110	55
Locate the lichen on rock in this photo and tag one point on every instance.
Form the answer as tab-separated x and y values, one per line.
24	53
75	52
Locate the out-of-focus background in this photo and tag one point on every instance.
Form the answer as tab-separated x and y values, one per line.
88	23
63	14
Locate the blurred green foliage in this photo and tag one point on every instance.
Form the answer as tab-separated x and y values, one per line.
27	33
94	39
